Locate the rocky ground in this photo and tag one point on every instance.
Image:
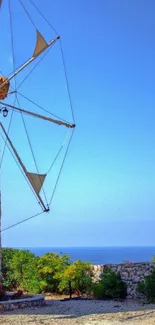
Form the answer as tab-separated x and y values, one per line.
83	312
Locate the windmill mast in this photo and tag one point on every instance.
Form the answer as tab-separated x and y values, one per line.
0	242
5	113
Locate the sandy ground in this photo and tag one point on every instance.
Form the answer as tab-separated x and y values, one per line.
83	312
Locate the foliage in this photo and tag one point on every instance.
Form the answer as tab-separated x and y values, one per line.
49	266
19	269
110	287
78	275
147	287
24	267
8	280
22	270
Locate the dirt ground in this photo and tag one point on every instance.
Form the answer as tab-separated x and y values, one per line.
84	312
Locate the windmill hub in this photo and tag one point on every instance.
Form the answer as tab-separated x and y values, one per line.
4	87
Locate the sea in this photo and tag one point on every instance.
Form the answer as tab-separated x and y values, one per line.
100	255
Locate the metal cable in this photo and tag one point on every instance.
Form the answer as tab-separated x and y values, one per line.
20	169
45	110
63	60
57	155
34	67
16	99
62	165
43	17
67	82
32	152
27	14
13	56
18	223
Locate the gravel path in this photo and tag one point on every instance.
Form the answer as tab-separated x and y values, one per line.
83	313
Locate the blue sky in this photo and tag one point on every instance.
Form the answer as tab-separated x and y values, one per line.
106	193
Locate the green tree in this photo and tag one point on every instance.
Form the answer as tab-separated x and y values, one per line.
49	266
78	274
8	280
24	268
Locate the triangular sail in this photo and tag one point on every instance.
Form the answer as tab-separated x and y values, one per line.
41	44
36	181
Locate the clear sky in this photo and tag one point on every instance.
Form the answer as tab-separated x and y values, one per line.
106	193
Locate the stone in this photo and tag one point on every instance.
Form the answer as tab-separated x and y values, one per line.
124	275
136	279
95	268
131	274
13	306
147	273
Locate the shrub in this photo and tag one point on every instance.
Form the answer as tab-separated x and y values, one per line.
19	269
24	271
79	277
51	267
110	287
9	282
147	287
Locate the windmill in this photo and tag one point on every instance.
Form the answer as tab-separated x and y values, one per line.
35	179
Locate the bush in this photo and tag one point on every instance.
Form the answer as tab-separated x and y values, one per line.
110	287
19	270
24	271
79	277
147	287
9	282
51	268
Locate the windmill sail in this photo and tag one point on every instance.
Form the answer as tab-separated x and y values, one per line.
41	45
36	181
38	50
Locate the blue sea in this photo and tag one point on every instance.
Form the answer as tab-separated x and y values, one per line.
101	255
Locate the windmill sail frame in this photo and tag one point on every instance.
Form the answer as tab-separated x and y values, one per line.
36	180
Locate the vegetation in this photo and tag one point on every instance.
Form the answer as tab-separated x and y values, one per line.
50	269
147	287
22	270
78	275
110	287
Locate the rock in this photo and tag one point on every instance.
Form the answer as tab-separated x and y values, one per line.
13	306
124	275
147	273
95	268
131	274
136	279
